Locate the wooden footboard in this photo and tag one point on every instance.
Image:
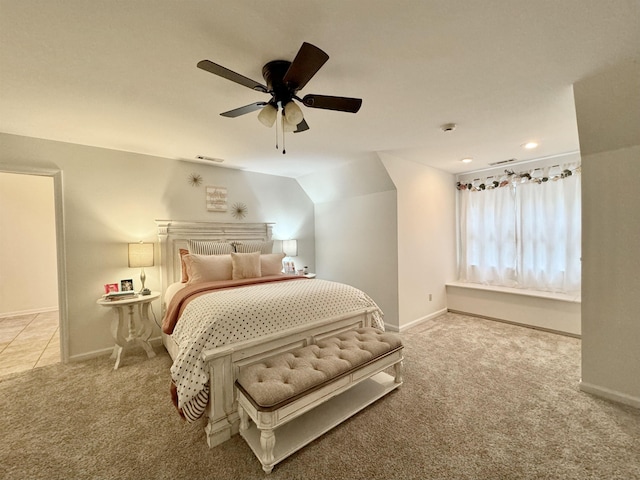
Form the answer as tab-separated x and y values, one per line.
224	362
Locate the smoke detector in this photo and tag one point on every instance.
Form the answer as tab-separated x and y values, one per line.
448	127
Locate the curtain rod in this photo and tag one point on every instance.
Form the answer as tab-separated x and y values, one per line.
517	163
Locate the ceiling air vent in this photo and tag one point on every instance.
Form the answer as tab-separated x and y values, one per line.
502	162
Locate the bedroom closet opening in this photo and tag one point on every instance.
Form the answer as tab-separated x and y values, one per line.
29	310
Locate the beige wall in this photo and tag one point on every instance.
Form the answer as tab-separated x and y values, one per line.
608	113
356	230
28	273
426	237
111	198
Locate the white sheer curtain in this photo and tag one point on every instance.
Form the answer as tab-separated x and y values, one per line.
525	234
487	240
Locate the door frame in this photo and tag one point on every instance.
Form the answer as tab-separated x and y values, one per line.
58	200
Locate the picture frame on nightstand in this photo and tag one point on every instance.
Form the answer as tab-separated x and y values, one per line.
126	285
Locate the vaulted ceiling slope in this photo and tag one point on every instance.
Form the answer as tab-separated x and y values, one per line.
122	75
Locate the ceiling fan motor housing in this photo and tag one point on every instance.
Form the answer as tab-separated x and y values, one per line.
273	74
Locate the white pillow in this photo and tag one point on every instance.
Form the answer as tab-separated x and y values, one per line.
271	264
245	265
207	268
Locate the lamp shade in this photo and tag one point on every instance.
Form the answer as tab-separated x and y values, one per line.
287	127
140	255
290	248
267	115
292	113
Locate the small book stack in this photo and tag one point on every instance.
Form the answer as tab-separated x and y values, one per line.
115	296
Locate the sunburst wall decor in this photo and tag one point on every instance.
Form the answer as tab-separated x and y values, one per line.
239	210
195	179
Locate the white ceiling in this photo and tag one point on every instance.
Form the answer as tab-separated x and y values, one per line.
122	75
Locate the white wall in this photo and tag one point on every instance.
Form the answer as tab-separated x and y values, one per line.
28	273
608	114
426	237
356	230
112	198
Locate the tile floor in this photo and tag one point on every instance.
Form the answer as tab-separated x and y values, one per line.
28	341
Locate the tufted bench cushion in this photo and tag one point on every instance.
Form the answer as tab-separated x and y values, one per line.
282	378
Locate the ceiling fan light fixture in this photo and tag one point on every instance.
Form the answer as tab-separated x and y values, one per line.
287	127
293	114
267	115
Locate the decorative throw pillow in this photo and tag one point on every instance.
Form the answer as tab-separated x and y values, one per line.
185	275
207	268
250	247
245	265
271	264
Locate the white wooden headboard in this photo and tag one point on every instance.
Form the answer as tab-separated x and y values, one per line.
175	234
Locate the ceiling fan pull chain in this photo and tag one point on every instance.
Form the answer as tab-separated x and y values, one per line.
276	122
283	145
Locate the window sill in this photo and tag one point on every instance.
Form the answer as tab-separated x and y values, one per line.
562	297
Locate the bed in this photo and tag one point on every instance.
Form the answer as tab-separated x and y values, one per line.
212	326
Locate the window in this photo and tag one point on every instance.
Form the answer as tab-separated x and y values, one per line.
522	229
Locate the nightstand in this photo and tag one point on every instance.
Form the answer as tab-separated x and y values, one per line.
127	334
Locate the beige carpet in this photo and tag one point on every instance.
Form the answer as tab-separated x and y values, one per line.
481	400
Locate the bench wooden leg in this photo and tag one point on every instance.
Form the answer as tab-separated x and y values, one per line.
244	418
267	442
399	369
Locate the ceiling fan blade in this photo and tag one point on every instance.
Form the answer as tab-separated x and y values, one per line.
236	112
302	126
342	104
230	75
308	61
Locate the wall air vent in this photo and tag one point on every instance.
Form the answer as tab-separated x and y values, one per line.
209	159
502	162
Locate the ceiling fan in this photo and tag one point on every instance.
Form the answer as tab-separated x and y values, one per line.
283	81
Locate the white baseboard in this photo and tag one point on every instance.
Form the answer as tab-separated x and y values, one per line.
33	311
156	341
393	328
520	324
610	394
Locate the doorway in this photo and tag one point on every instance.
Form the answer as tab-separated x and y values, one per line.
29	280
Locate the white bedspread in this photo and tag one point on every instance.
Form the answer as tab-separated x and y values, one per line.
227	316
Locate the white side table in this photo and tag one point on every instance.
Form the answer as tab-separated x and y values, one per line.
129	334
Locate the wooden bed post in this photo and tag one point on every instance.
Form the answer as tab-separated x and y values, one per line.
219	429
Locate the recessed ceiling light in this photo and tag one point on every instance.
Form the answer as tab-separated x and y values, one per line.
467	160
529	145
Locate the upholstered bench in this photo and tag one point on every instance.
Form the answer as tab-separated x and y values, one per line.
303	392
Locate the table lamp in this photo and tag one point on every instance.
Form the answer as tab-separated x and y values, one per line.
140	256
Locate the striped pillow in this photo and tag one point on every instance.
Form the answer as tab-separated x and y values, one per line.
250	247
208	247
